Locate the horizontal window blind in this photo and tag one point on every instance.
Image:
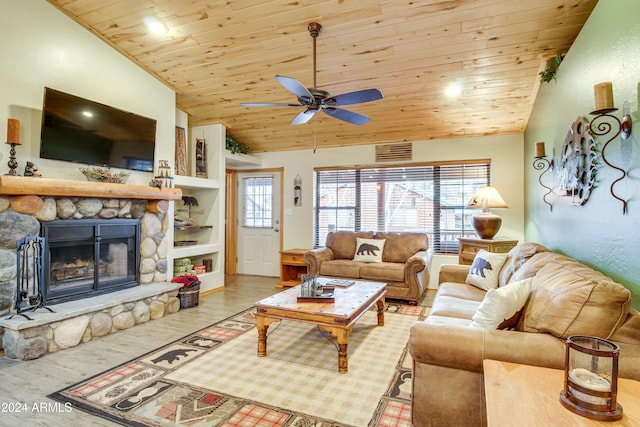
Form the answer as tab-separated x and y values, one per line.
424	198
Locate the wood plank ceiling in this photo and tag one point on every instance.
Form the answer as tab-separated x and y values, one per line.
218	54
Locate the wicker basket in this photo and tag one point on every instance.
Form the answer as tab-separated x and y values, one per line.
189	297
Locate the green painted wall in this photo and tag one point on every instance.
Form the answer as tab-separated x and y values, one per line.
596	233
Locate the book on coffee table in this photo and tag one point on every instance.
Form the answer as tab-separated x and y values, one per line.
340	283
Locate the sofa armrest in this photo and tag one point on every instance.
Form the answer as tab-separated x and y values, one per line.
416	274
418	261
463	347
456	273
315	257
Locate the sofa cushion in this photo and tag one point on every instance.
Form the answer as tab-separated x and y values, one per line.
485	270
401	246
369	250
447	306
502	306
343	243
516	258
384	272
341	268
461	291
569	298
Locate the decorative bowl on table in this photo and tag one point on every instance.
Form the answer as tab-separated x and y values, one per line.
105	175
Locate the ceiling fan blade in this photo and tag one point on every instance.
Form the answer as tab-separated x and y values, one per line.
355	97
266	104
347	116
295	87
303	117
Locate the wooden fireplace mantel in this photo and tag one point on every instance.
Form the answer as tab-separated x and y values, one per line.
19	185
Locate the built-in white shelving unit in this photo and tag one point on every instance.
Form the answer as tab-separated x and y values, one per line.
206	241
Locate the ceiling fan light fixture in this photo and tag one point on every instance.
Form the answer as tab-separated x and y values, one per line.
314	99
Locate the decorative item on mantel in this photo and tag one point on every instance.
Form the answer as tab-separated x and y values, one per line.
604	124
591	378
486	223
13	139
164	174
30	169
105	174
540	162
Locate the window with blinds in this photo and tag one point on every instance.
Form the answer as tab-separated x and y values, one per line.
257	202
427	198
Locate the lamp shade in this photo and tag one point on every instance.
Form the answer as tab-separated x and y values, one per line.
487	197
487	224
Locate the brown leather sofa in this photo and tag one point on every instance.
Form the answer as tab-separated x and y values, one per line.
566	298
404	266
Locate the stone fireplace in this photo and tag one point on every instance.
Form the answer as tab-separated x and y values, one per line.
105	263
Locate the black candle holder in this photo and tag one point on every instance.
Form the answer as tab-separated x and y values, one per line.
602	124
12	163
543	164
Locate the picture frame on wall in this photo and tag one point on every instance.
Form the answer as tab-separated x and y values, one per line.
181	152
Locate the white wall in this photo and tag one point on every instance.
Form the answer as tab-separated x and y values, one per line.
43	47
505	152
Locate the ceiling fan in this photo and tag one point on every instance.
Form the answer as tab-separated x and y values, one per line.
314	100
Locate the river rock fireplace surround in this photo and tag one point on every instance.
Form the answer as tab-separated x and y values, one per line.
135	290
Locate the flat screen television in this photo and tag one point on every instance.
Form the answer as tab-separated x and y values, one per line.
78	130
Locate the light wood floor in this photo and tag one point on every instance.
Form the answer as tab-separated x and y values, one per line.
29	382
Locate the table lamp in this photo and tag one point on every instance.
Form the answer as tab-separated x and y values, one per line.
487	223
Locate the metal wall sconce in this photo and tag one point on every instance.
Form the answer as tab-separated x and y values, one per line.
541	163
605	123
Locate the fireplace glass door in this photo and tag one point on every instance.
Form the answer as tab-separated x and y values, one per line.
89	257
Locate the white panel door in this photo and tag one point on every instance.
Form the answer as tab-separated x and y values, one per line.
259	224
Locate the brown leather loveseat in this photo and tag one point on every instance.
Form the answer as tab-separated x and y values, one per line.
404	263
565	298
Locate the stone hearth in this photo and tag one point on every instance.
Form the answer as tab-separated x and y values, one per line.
24	204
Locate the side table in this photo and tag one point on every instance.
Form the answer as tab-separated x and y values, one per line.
470	247
292	267
524	395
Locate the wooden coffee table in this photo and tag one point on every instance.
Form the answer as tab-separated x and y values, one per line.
337	318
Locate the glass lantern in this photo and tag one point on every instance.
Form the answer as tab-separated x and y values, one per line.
591	378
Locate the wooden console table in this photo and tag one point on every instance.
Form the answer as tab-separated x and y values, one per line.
523	395
470	247
292	266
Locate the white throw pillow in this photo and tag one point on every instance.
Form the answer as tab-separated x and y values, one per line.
485	270
369	250
500	306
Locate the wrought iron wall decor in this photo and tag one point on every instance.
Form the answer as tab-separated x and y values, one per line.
604	124
540	162
578	162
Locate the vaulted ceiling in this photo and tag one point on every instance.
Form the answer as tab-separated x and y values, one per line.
219	54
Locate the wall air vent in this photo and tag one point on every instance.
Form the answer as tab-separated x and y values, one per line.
394	152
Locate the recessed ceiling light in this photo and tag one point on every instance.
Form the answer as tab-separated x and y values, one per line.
155	25
453	90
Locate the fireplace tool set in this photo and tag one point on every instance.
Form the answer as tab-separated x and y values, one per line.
30	284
